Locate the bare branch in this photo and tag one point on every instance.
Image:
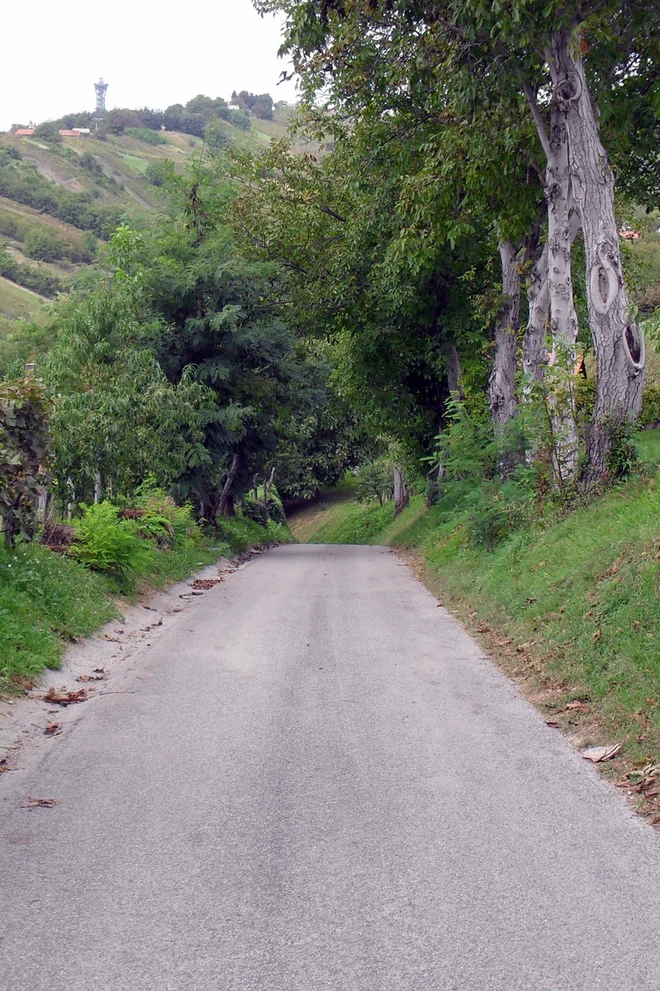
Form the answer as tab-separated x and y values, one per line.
536	114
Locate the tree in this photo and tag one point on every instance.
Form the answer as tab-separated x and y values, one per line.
116	121
43	244
217	329
48	131
116	419
24	456
383	51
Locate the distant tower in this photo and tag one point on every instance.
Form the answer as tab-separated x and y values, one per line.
101	89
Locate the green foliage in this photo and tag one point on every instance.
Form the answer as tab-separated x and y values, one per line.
109	544
260	105
375	481
157	173
240	533
144	134
36	279
118	120
216	136
622	456
48	131
650	413
115	414
43	244
24	456
160	519
22	182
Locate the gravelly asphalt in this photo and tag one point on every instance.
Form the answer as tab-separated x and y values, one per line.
321	783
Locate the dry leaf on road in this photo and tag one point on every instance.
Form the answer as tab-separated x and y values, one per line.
65	698
53	729
598	754
40	803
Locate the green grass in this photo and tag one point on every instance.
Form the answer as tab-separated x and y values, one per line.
581	593
45	600
16	303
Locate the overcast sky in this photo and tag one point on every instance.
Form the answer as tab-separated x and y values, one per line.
150	53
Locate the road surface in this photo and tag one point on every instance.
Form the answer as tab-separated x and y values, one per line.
321	784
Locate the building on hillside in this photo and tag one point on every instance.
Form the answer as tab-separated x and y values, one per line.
24	132
66	133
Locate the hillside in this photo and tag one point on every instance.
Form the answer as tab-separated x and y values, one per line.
58	200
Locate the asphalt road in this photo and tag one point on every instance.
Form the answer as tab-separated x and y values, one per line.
321	783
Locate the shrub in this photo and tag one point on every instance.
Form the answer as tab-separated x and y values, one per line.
144	134
494	511
164	522
622	457
375	481
108	544
650	413
43	244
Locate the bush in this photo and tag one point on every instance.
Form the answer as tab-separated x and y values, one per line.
494	511
144	134
157	173
650	413
622	457
375	481
162	521
43	244
108	544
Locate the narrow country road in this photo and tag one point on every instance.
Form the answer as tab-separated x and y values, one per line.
320	784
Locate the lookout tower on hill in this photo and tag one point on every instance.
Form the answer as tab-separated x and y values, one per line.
101	89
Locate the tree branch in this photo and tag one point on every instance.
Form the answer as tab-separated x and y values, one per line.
536	114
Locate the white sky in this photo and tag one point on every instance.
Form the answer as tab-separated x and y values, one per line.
151	53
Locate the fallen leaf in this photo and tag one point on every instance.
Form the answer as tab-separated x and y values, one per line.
577	705
596	636
91	677
104	636
205	583
40	803
53	729
65	698
552	723
100	670
598	754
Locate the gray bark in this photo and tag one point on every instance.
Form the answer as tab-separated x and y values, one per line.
400	492
226	507
535	352
453	370
618	342
502	382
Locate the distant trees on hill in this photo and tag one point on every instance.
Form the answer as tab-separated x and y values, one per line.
22	182
190	118
260	105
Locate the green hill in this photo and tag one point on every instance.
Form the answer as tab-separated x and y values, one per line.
59	200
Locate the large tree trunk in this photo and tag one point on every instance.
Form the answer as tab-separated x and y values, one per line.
618	342
453	370
502	382
563	318
226	506
534	349
400	490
